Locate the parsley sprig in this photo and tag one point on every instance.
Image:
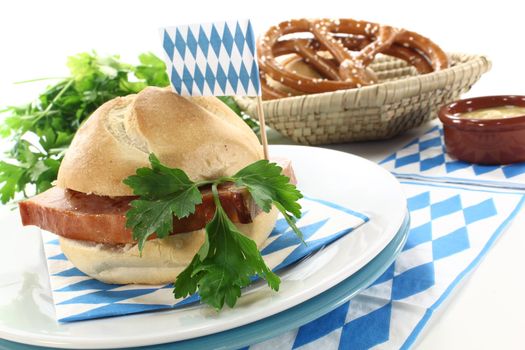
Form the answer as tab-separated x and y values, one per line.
41	131
228	259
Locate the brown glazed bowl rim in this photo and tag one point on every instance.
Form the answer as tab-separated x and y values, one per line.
448	113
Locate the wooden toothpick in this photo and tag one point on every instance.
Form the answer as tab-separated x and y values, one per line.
262	126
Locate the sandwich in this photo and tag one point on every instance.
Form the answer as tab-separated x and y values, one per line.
125	206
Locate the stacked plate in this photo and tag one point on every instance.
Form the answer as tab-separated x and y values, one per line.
309	289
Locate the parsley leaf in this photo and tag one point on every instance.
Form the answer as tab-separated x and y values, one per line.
227	260
164	192
11	175
160	181
267	185
146	217
224	264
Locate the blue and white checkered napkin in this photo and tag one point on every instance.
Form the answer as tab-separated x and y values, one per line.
425	158
452	229
79	297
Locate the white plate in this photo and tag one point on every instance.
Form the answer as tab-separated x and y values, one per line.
26	307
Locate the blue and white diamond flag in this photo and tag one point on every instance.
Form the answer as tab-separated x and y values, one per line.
212	59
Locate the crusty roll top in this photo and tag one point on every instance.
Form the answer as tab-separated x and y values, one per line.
200	135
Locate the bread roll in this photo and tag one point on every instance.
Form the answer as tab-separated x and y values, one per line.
199	135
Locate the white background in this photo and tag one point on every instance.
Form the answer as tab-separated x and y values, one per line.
37	36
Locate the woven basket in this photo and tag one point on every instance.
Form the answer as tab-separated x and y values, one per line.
402	100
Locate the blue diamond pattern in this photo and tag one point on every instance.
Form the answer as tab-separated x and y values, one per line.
367	331
108	296
388	159
189	300
434	142
425	158
450	244
215	41
209	77
90	284
419	235
250	38
429	163
222	79
58	257
445	207
227	40
233	78
239	38
456	165
282	226
187	78
199	79
419	201
315	245
169	47
254	77
480	211
203	41
176	80
190	72
116	309
410	282
244	77
323	326
72	272
410	159
191	43
413	281
513	170
484	169
289	238
180	43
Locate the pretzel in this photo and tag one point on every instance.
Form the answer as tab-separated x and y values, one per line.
352	46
